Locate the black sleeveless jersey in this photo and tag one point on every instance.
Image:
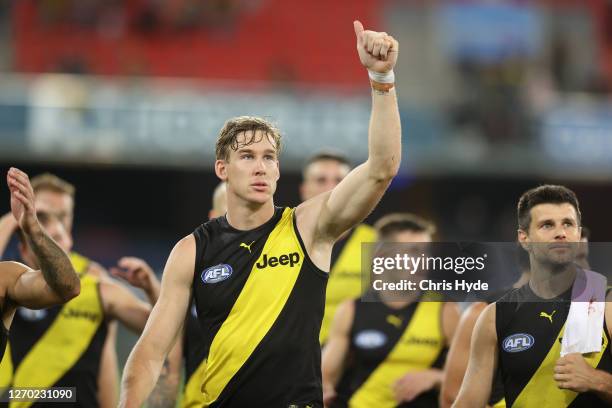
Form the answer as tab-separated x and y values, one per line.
529	332
386	344
260	301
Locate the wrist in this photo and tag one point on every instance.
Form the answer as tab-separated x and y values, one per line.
382	81
9	220
32	229
601	381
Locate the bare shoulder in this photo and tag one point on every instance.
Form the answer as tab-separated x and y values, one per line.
485	324
181	261
344	316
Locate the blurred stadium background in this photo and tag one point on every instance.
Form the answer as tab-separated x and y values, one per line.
124	98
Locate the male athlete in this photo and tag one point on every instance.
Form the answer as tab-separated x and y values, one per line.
86	360
389	353
258	274
55	282
522	332
322	172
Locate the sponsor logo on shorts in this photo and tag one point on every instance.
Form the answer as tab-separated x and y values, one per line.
370	339
518	342
217	273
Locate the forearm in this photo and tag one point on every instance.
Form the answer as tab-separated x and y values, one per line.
54	264
141	372
602	385
165	391
8	225
384	135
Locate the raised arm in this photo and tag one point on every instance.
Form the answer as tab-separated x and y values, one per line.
476	387
146	359
356	196
56	282
336	350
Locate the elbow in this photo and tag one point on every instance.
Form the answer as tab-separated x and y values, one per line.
385	171
71	291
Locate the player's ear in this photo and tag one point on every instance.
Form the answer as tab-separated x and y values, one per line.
221	169
523	239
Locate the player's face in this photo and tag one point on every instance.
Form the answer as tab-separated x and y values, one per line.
54	229
322	176
252	171
412	243
553	233
59	204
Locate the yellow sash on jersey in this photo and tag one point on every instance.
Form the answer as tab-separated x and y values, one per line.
500	404
345	276
192	394
542	390
408	355
64	341
260	302
6	368
80	265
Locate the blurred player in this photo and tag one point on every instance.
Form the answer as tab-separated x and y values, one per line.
257	274
389	353
323	172
522	332
53	282
98	359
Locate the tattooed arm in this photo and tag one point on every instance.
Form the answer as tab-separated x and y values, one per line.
164	395
56	281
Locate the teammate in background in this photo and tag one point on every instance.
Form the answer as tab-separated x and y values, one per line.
54	282
389	353
533	373
322	172
258	274
56	197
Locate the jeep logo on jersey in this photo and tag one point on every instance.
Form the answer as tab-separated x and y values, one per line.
370	339
285	259
217	273
518	342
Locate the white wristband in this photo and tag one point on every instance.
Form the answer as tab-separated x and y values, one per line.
382	78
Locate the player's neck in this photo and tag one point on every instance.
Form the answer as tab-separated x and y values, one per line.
243	216
548	282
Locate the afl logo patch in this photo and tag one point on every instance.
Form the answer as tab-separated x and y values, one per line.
217	273
370	339
518	342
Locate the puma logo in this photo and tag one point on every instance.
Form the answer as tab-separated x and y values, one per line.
394	321
548	316
243	245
